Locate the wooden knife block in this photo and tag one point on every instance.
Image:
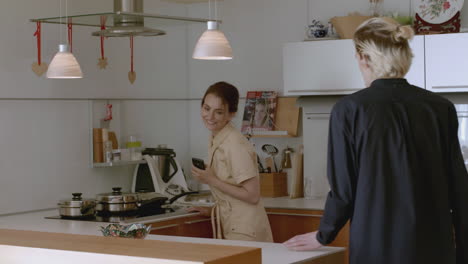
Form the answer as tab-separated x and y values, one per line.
274	184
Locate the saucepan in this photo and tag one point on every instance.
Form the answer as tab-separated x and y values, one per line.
77	207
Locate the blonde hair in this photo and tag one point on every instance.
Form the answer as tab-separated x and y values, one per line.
384	43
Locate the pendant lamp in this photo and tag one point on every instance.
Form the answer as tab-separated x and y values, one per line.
64	64
212	44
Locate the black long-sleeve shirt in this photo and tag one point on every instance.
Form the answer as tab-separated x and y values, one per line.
396	171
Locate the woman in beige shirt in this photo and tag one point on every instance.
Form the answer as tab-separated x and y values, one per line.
231	172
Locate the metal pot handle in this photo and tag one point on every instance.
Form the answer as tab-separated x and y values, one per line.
173	199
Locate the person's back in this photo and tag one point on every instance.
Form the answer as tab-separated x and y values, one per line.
394	163
403	138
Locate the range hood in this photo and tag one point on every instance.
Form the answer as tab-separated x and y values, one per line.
128	19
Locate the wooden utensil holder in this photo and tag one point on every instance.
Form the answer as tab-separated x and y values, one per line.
273	184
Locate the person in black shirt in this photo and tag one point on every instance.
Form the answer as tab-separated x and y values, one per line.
395	167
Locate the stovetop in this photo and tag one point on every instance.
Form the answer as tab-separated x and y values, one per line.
109	218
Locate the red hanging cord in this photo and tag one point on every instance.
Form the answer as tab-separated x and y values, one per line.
37	34
103	27
131	53
70	33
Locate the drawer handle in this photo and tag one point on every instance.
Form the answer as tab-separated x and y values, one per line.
162	227
312	215
450	86
197	221
326	91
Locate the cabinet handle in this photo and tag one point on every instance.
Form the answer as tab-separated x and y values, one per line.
331	92
197	221
318	116
312	215
450	86
162	227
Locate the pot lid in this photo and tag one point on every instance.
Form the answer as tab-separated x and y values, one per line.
128	19
76	201
117	196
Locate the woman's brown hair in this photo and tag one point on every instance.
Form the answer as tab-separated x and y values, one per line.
227	92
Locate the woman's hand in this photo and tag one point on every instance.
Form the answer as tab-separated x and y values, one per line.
204	211
206	176
307	241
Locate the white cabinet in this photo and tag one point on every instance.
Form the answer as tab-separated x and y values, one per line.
416	74
447	62
315	137
320	67
329	67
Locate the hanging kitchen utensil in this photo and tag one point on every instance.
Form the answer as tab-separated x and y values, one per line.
286	159
38	67
272	151
131	73
102	62
70	33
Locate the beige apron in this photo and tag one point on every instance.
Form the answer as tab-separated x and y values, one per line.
233	160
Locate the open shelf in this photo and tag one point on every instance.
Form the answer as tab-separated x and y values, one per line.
118	163
286	120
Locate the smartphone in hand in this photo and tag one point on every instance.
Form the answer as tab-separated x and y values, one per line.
199	163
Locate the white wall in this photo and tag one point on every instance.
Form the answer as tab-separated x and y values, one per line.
45	143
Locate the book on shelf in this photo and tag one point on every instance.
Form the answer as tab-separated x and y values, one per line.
259	112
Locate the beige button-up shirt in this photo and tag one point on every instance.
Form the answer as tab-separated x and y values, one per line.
233	160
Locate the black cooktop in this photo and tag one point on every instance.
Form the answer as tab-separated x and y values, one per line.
113	218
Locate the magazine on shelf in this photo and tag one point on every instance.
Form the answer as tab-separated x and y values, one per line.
259	112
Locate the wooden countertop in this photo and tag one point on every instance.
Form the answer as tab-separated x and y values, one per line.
152	249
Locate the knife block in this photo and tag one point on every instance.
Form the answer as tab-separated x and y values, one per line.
273	184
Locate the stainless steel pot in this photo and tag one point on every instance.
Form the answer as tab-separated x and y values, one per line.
76	207
116	202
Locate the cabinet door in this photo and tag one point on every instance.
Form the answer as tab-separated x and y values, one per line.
446	62
197	228
320	67
315	138
167	229
416	74
287	223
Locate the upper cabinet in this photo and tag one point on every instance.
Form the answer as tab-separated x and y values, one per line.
320	67
416	73
446	62
329	67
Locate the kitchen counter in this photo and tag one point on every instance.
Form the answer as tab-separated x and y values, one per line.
272	253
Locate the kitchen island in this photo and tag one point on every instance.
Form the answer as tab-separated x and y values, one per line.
273	253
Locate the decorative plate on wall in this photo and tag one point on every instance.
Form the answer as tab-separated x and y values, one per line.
437	11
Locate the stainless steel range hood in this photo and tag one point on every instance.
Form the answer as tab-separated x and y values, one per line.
128	19
128	25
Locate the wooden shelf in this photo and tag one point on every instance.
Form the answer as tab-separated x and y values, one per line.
287	118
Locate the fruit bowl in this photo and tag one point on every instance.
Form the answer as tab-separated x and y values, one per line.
138	231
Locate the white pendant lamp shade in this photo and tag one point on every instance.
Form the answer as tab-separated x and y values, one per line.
212	45
64	65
